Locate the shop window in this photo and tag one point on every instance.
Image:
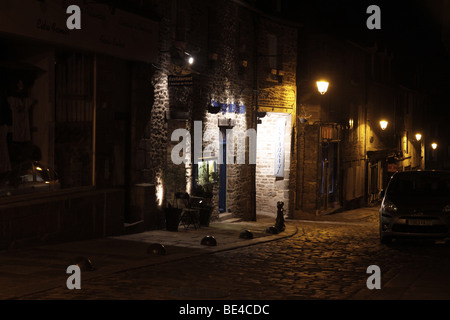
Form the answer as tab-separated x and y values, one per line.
28	177
74	112
207	174
25	157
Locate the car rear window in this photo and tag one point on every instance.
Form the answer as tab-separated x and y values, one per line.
420	185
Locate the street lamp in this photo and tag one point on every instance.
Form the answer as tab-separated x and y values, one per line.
383	124
322	86
418	136
434	145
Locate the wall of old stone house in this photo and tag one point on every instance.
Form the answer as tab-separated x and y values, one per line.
226	80
212	35
307	170
353	163
216	31
220	35
149	128
410	120
277	96
343	104
381	104
269	188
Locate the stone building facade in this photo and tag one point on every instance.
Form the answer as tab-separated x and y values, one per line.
243	78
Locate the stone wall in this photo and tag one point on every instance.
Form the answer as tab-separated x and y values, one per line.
228	43
216	33
308	170
271	189
150	102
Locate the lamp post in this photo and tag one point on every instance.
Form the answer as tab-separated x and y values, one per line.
434	145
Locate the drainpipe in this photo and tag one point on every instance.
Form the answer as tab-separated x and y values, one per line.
94	122
254	122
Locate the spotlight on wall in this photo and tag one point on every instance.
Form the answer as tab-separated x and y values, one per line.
190	59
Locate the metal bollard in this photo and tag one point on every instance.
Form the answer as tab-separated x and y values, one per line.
279	222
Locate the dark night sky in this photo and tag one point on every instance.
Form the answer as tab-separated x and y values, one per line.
411	29
403	23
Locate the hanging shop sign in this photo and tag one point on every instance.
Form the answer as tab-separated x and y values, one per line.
327	133
180	75
279	148
180	81
330	133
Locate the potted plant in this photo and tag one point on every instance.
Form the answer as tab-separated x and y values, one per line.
174	179
207	179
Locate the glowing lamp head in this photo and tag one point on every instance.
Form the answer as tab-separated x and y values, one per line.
434	145
189	59
322	86
383	124
418	136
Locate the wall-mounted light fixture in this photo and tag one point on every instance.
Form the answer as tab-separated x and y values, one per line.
350	123
189	58
418	136
322	86
383	124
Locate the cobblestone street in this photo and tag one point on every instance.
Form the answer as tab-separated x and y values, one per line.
324	260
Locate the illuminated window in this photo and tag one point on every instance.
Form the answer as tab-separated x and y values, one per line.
207	173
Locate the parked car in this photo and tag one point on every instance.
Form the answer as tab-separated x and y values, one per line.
416	204
28	177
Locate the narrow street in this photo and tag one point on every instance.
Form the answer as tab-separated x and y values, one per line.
324	260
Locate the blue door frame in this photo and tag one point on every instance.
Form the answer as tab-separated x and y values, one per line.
223	174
